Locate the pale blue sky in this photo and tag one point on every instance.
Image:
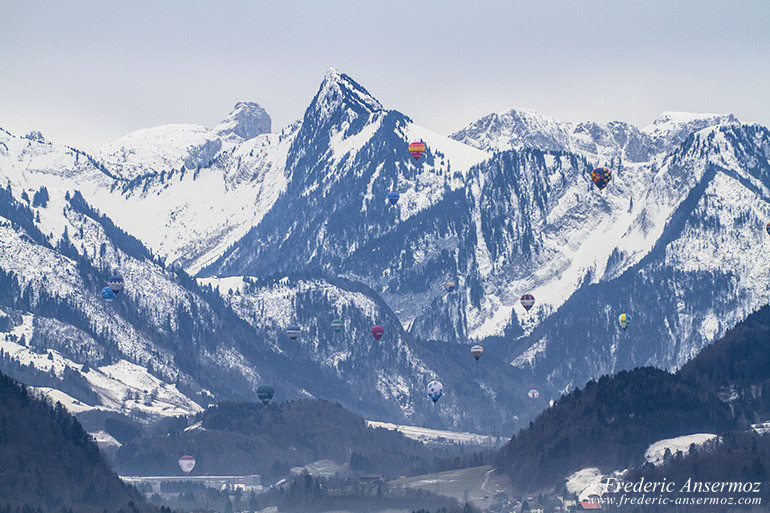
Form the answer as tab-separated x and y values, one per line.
87	72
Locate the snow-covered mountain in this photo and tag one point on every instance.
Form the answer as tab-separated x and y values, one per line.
601	143
294	227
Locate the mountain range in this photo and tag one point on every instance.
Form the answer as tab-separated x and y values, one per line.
226	236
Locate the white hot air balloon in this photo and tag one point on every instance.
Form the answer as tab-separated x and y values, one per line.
187	463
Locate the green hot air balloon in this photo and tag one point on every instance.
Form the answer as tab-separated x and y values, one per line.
337	325
265	393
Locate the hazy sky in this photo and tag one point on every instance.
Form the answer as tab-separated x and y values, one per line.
87	72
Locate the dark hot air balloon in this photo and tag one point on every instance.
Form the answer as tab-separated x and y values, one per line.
265	393
377	332
527	301
393	197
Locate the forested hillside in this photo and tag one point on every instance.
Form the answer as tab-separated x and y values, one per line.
610	422
247	438
47	461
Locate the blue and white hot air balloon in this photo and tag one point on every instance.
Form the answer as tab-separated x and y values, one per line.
435	390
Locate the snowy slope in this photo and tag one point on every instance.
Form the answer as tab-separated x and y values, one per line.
656	451
600	143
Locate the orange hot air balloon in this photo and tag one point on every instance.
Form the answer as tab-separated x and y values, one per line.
417	149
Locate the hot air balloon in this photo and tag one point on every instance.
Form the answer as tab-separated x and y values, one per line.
377	332
527	301
293	332
115	283
477	351
601	177
435	390
337	325
624	320
417	149
449	286
265	393
768	228
108	294
187	463
533	394
393	197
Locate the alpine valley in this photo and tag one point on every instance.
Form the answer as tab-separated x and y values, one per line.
226	236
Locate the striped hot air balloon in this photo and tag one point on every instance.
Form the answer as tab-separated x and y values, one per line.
601	177
416	149
624	320
293	332
337	325
115	282
477	351
265	393
527	301
533	394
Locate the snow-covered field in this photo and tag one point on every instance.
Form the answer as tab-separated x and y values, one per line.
428	435
656	451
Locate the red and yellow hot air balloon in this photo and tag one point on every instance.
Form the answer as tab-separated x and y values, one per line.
417	149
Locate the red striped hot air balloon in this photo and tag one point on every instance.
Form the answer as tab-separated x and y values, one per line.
417	149
477	351
527	301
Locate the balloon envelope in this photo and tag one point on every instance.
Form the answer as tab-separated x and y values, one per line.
450	286
115	283
265	393
416	149
477	351
337	325
377	332
108	294
533	394
527	301
601	177
768	228
293	332
435	390
186	463
624	320
393	197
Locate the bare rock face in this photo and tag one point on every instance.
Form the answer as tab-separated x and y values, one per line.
246	121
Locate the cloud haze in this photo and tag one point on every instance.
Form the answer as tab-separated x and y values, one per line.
87	72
